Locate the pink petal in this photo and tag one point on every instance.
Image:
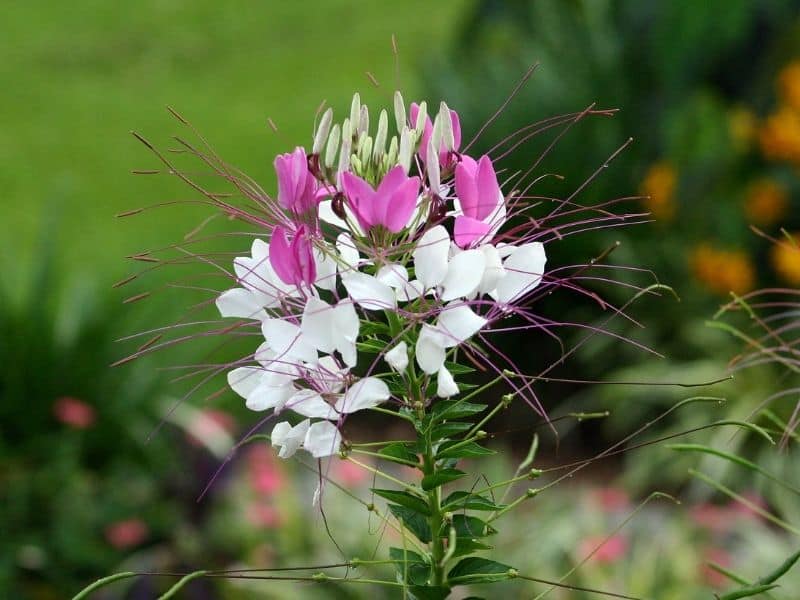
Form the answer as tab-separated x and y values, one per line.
466	186
360	196
280	256
456	129
467	230
488	189
402	204
302	251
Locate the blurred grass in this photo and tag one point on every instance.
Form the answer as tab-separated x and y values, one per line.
77	77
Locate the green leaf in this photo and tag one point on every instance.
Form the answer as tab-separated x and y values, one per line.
429	592
458	368
410	501
441	477
400	451
411	567
458	449
413	521
465	546
455	409
371	346
475	569
756	590
467	526
466	500
449	429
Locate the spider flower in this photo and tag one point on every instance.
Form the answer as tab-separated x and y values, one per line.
297	187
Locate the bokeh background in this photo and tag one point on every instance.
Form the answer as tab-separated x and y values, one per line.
710	94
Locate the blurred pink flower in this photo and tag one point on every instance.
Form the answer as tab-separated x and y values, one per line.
127	533
210	423
712	517
349	474
610	551
610	499
266	476
740	509
711	576
73	412
263	515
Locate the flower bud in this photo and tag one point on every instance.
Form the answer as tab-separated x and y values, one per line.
363	120
380	136
355	110
337	205
448	137
432	160
391	154
406	150
422	116
347	144
399	111
322	131
365	149
332	147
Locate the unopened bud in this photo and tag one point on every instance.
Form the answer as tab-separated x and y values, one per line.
363	120
332	147
406	149
448	138
322	131
432	164
380	136
436	136
347	144
399	111
355	162
391	155
337	206
422	116
355	111
365	149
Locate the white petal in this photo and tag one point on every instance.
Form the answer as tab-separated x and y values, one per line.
322	439
393	275
289	438
244	380
397	357
316	324
429	350
242	303
328	376
410	291
464	274
269	396
310	404
326	270
275	368
368	292
494	269
345	326
364	393
445	384
326	214
430	256
287	341
457	323
347	251
524	268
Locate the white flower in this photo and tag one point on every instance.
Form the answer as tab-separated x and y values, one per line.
430	256
445	384
242	303
331	328
364	393
455	325
397	357
289	438
322	439
368	292
261	388
524	267
287	341
464	274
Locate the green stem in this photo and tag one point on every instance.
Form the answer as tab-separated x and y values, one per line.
436	518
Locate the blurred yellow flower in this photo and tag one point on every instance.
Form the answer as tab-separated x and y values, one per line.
742	126
780	135
722	271
789	84
785	257
658	187
766	202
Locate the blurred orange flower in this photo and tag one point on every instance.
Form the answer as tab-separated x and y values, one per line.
742	126
780	135
658	186
766	202
789	84
722	271
785	257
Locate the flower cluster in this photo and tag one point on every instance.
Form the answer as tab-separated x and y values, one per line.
386	259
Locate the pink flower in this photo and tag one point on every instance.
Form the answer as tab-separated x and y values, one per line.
263	515
210	423
391	205
297	187
611	499
293	262
712	517
610	551
446	158
265	474
481	201
73	412
712	576
128	533
349	474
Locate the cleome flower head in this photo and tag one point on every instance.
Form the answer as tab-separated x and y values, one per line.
379	272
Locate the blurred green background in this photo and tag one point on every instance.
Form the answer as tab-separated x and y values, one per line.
711	95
